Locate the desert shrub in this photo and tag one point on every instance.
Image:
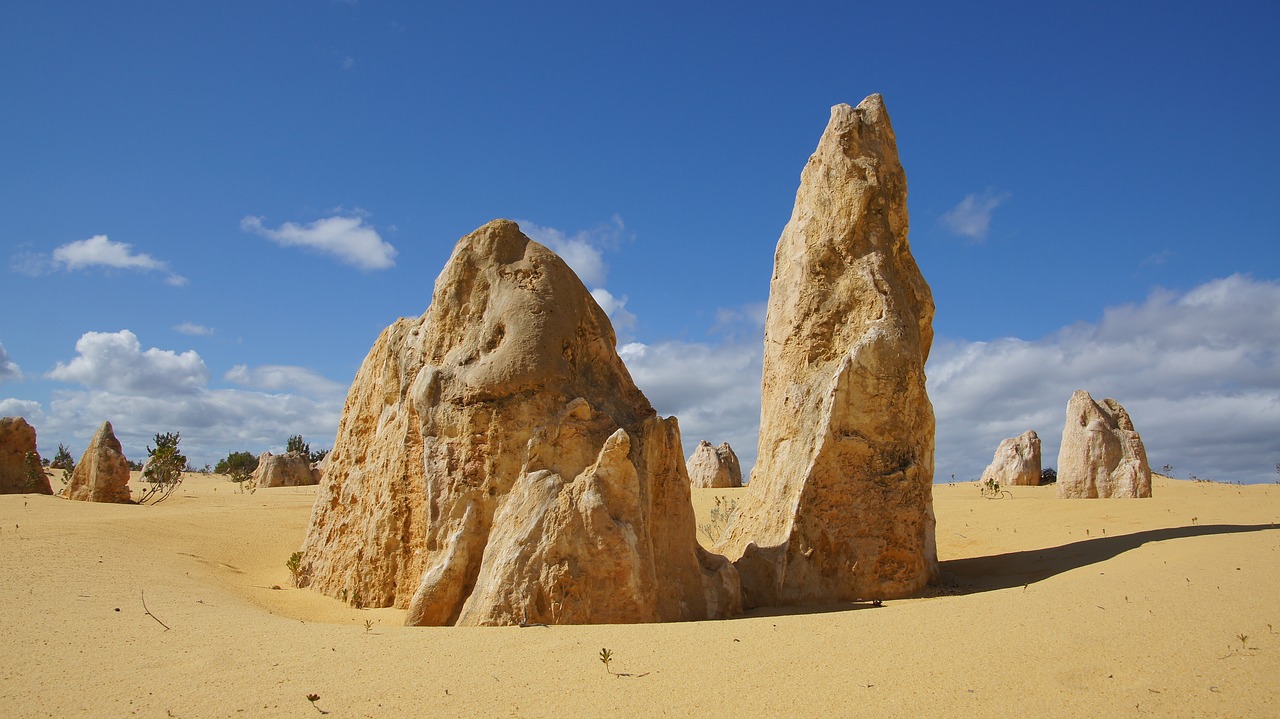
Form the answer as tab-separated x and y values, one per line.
134	466
721	513
318	455
1049	476
164	467
34	469
62	459
237	466
296	445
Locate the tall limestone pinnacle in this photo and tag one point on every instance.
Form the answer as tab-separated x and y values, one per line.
840	503
496	464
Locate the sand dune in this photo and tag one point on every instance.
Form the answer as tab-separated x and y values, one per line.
1049	608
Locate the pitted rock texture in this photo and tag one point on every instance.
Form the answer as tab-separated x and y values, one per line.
1101	455
840	503
495	463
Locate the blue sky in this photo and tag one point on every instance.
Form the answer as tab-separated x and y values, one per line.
209	211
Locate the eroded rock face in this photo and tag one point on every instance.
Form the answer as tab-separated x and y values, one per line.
713	467
102	474
291	469
495	463
17	439
1101	454
1016	461
840	502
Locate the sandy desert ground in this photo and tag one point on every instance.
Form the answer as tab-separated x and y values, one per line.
1159	607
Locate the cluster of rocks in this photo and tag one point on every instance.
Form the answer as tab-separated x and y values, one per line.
291	469
1101	454
496	464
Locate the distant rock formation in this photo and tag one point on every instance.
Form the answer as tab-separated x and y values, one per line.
1016	461
713	467
840	503
318	468
292	469
102	475
1101	454
496	464
17	440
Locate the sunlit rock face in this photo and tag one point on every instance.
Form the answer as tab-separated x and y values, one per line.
1101	455
496	464
840	503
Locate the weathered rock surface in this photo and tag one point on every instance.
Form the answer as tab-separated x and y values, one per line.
1016	461
102	474
713	467
17	438
840	502
292	469
495	463
1101	454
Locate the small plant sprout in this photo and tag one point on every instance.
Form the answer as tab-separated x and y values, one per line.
1243	638
368	626
606	656
313	698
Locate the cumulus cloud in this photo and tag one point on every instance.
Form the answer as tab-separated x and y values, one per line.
193	329
97	251
616	307
347	238
116	362
582	251
9	370
714	390
279	378
145	392
971	217
1198	371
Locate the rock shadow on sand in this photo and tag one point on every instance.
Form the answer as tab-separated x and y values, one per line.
1015	569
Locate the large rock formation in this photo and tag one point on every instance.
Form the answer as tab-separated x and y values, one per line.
713	467
495	463
102	474
1101	453
292	469
840	502
1016	461
18	475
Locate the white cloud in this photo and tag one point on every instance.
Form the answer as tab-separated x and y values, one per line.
115	362
1199	372
283	377
347	238
616	307
193	329
972	216
12	407
582	251
348	62
9	370
143	393
97	251
714	390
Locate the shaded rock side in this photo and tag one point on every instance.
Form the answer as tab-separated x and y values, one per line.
495	463
292	469
102	474
840	503
17	439
713	467
1101	453
1016	461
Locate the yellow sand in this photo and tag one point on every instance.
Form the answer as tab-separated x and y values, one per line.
1049	608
